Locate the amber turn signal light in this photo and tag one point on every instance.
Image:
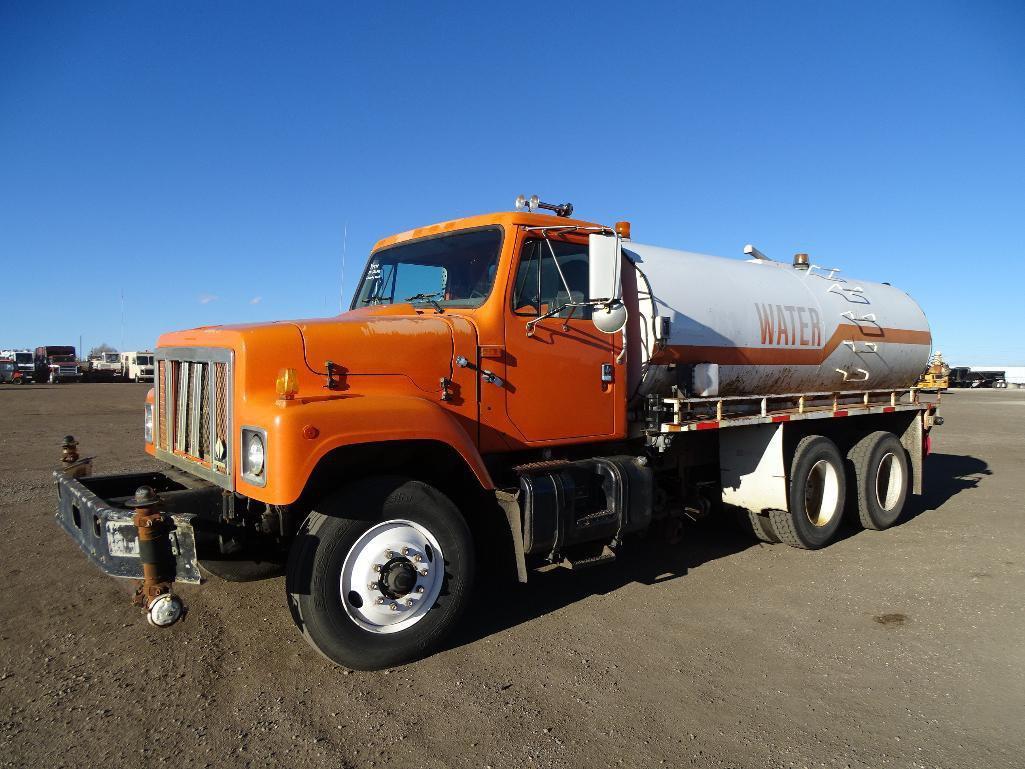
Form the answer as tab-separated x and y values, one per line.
287	384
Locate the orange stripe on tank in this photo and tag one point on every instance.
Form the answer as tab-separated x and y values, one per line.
793	356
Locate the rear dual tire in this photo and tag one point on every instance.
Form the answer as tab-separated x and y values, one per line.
402	535
879	473
816	493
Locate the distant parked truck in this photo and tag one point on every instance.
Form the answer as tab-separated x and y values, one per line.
137	366
9	373
963	376
103	367
106	361
996	379
57	363
25	362
937	376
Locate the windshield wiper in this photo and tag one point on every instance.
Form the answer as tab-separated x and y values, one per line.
431	298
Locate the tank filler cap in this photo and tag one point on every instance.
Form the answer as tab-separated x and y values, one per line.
533	203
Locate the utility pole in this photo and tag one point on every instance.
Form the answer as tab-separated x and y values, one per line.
341	286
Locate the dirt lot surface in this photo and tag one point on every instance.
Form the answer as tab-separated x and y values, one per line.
904	648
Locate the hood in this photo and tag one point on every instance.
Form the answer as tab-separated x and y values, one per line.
420	347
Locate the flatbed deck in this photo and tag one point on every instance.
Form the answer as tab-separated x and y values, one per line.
714	413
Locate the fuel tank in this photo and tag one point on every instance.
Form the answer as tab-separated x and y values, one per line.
729	327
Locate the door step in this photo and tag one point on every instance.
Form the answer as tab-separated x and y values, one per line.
607	555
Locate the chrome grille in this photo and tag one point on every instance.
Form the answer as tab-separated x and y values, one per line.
193	410
162	412
221	406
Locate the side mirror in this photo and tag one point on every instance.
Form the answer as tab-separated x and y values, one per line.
604	264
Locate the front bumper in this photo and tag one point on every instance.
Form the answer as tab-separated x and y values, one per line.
95	513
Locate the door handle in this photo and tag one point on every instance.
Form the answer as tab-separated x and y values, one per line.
491	377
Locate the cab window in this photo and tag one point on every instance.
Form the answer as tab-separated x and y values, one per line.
539	288
455	270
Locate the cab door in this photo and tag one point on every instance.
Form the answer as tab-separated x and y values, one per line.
561	372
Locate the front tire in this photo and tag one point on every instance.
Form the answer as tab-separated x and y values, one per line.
816	495
380	573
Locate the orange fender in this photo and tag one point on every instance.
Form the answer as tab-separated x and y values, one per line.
301	432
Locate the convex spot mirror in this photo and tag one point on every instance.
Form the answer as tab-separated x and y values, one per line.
604	267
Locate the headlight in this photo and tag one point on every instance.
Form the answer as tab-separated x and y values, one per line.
147	422
254	453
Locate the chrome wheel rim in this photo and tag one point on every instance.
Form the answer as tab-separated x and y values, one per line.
821	493
392	576
889	481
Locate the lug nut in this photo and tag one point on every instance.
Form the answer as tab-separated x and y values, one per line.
423	572
419	559
372	586
419	588
389	554
409	602
377	567
394	606
406	551
379	601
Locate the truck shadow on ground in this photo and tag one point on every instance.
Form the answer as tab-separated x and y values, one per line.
650	561
946	475
644	560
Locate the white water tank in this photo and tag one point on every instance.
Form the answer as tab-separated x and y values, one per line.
753	327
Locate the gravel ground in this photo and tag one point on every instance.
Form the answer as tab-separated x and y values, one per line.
903	648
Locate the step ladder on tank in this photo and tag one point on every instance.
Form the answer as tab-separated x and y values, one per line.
855	295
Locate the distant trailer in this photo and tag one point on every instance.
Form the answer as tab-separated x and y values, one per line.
965	377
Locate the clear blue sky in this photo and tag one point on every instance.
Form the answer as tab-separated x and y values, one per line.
205	157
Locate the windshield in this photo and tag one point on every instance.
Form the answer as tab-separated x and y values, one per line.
145	360
23	357
6	365
455	270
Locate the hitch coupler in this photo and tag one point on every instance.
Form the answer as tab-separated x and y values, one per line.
163	608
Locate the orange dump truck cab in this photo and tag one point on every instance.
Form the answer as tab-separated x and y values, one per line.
476	410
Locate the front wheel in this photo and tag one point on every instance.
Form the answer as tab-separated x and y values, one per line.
380	573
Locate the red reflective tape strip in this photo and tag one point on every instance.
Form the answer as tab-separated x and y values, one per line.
888	409
707	425
781	418
839	413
